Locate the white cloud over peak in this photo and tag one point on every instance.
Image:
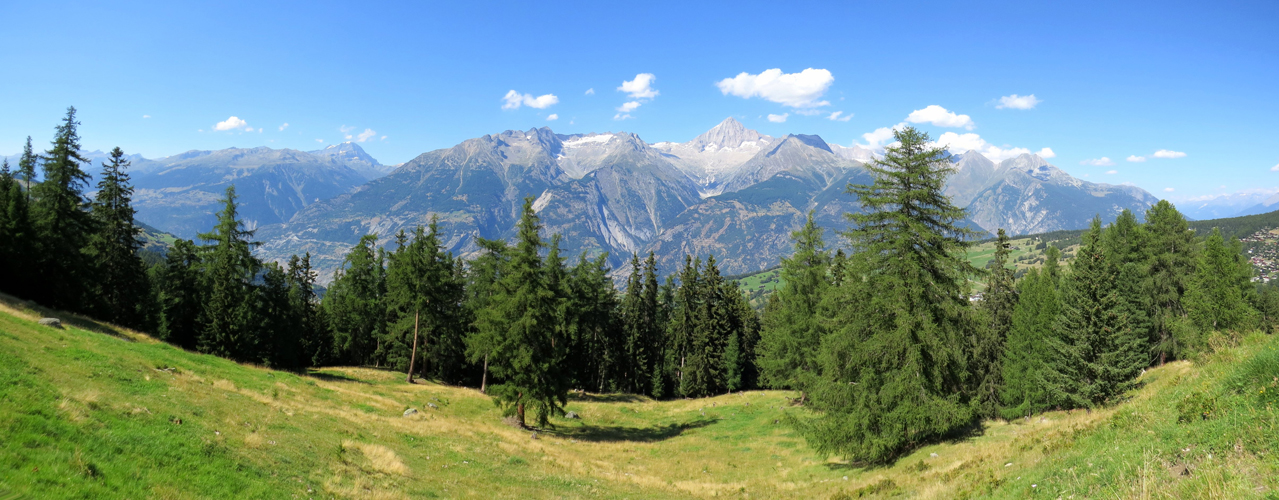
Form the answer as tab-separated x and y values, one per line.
1098	162
940	117
346	129
797	90
1046	153
513	100
1169	190
641	87
962	143
778	118
590	91
839	116
553	117
1112	172
627	107
231	123
367	134
319	140
1275	168
877	139
1136	159
282	127
1018	102
621	116
1164	153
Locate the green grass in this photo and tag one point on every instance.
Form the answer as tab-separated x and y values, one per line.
94	411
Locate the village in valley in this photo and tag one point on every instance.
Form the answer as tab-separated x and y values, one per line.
1263	252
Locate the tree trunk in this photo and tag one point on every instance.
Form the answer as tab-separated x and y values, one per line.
416	316
484	378
519	410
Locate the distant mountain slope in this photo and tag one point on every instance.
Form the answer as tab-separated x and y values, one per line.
355	157
712	158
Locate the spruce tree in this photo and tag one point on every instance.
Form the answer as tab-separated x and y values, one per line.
593	301
893	374
274	322
178	282
1101	336
684	323
482	290
120	285
793	327
16	237
229	318
62	223
629	360
315	343
529	356
1217	299
27	168
354	303
1028	349
997	305
422	291
653	317
741	369
1172	266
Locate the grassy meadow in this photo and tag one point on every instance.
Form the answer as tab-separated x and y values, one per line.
93	411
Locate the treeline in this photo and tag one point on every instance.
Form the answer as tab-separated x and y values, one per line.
887	348
518	321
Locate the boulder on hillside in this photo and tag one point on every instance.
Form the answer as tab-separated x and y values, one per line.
51	322
410	411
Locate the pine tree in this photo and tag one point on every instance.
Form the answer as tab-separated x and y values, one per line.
684	322
314	340
1172	266
893	370
997	305
666	367
741	371
1100	337
630	359
16	236
229	317
62	223
354	303
179	285
27	168
653	317
793	328
423	293
275	322
1217	299
482	290
529	355
1029	347
120	285
593	299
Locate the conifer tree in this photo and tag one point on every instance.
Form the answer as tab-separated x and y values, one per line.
482	290
593	302
16	236
120	284
178	282
705	369
229	317
27	168
62	223
684	322
1217	299
998	303
274	322
893	373
422	290
529	355
666	368
1172	266
314	341
629	360
740	362
793	328
653	317
1028	349
1100	337
354	303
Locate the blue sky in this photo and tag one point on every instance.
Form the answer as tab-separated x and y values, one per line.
1108	80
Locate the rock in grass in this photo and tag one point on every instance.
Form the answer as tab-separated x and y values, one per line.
410	411
573	415
432	405
51	322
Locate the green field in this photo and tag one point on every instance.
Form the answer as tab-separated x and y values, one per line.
93	411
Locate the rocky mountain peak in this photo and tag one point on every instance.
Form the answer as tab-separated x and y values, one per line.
730	133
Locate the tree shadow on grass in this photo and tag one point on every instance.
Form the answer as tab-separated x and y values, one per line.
605	398
335	377
612	434
68	319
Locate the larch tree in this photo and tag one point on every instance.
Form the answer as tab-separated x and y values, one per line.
793	326
355	304
997	305
1171	244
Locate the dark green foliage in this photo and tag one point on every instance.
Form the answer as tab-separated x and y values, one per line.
120	288
529	354
1029	348
275	322
354	303
481	294
62	223
893	370
793	326
315	340
997	306
422	287
1101	335
1218	297
16	236
229	327
1171	245
599	332
178	284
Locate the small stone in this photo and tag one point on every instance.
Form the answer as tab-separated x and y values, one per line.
572	415
932	455
534	436
410	411
51	322
432	405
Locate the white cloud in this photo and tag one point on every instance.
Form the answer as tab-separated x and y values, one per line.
1136	159
319	140
1098	162
620	116
1046	153
346	129
778	118
231	123
1018	102
383	138
809	112
146	116
627	107
1272	169
590	91
513	100
248	129
962	143
876	140
940	117
1112	172
282	127
641	87
1169	190
1164	153
797	90
367	134
553	117
839	116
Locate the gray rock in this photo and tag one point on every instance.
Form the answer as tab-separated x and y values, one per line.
432	405
573	415
534	436
410	411
51	322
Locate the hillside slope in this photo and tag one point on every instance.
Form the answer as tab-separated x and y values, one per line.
95	411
